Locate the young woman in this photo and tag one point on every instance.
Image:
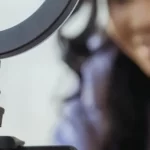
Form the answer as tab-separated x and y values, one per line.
112	111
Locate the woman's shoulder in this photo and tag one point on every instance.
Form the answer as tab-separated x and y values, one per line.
73	129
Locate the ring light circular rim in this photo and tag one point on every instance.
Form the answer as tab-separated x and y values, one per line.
36	38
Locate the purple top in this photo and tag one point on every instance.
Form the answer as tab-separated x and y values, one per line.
81	122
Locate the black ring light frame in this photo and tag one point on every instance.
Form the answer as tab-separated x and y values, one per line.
36	28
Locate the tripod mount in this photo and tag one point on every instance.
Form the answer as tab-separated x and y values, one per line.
8	142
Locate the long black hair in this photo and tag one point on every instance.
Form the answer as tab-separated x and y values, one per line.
127	106
75	49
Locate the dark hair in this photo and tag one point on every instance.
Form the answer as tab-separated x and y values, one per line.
126	106
76	50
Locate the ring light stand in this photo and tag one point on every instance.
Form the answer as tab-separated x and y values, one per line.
28	34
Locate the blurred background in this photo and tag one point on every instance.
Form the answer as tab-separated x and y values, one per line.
34	84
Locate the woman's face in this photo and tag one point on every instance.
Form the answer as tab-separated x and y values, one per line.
129	27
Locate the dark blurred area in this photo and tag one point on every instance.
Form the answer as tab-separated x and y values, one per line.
77	48
1	115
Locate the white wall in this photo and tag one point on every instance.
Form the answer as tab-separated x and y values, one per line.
33	84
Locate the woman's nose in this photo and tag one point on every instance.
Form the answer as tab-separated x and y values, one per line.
140	17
